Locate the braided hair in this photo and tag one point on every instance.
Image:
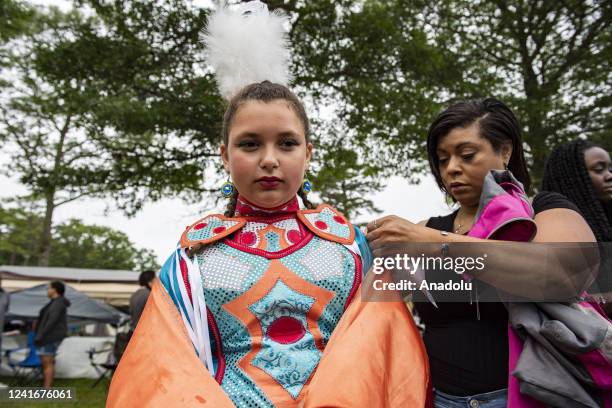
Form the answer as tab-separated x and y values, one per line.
230	209
566	173
305	200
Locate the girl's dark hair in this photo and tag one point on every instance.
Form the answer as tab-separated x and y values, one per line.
566	173
497	124
265	91
59	287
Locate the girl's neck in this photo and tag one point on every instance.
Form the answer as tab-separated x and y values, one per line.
246	208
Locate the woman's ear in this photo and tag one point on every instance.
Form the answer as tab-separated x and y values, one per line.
506	152
224	157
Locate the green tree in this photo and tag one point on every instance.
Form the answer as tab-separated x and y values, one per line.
142	63
372	61
90	246
73	244
19	234
373	73
69	137
550	60
42	126
392	65
350	192
16	18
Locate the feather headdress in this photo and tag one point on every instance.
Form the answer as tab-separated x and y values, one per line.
247	45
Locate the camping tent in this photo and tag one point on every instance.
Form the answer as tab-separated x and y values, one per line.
26	304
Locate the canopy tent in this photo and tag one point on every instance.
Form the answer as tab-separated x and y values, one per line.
113	287
26	304
68	274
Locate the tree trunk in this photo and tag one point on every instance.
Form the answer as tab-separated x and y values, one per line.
537	105
45	237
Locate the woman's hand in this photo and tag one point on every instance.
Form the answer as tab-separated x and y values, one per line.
394	230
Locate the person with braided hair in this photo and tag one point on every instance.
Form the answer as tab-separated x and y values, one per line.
582	172
268	290
470	144
261	306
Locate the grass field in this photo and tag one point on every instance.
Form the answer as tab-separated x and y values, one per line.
86	397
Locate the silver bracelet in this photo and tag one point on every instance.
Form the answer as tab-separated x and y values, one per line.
444	248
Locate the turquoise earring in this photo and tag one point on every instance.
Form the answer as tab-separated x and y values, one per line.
306	186
227	189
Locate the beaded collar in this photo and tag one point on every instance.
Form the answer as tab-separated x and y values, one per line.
246	208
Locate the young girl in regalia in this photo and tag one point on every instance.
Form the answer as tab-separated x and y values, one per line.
259	306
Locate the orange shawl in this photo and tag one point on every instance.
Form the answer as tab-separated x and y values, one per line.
374	358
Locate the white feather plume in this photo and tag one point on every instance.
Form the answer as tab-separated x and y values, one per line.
247	45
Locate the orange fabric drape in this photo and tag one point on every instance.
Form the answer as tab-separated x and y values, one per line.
374	358
159	367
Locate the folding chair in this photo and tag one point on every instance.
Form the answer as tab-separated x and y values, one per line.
28	370
112	361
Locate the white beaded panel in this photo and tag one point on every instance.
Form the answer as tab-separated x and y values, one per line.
220	270
324	261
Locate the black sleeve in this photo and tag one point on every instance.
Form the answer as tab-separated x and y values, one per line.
41	326
547	200
53	315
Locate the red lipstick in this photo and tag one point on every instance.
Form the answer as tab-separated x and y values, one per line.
269	182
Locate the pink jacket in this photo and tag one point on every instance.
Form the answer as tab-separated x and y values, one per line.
505	214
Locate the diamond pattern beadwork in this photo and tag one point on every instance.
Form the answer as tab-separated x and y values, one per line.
289	364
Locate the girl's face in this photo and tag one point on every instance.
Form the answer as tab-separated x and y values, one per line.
266	155
465	159
597	162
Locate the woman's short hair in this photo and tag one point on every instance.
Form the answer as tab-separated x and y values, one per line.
497	124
